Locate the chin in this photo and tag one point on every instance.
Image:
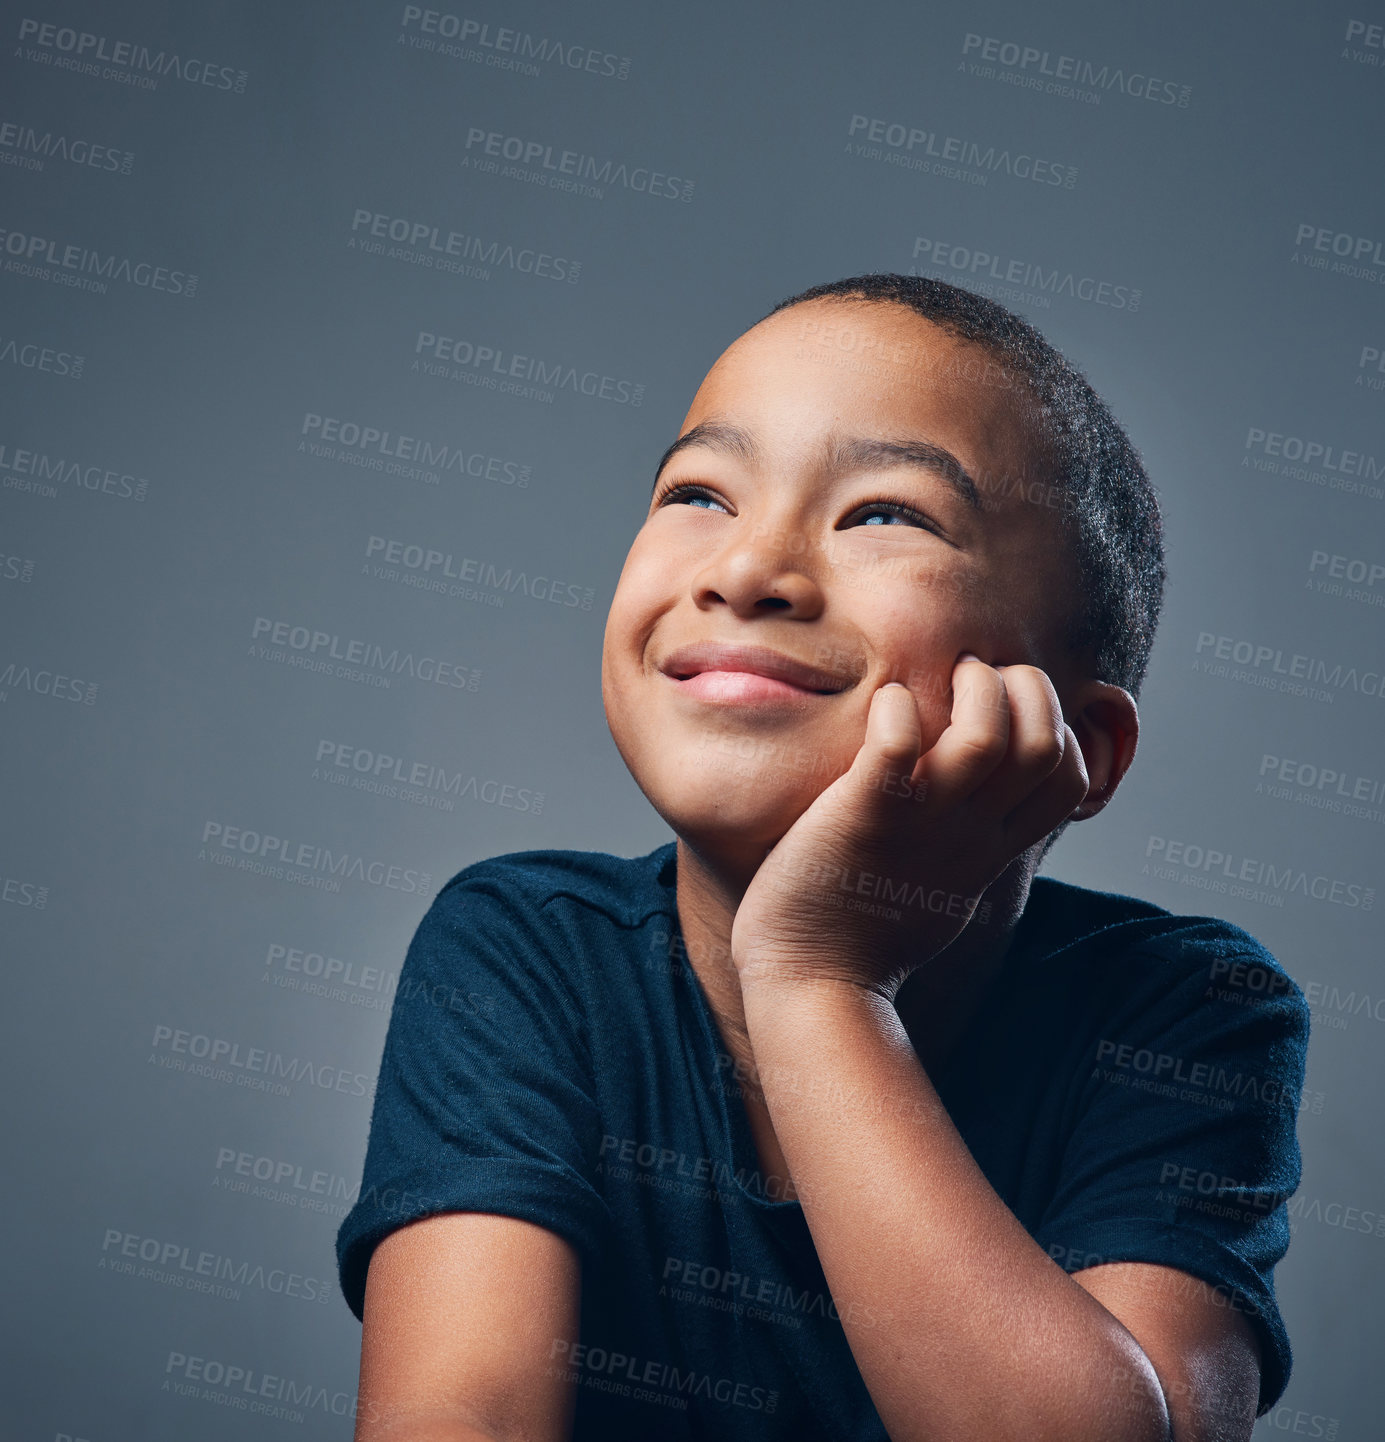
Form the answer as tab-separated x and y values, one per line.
726	814
734	854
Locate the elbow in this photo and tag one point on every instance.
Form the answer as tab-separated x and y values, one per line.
1141	1408
1121	1400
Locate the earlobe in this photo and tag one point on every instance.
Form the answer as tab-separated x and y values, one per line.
1106	724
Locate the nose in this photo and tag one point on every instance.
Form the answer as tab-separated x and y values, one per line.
758	573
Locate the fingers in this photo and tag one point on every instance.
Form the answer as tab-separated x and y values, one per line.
1051	802
1037	741
976	739
894	736
1006	751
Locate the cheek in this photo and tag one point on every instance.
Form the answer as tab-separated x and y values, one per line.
640	565
968	607
964	591
643	585
921	631
659	569
935	582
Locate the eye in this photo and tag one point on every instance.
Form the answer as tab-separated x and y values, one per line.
896	507
685	492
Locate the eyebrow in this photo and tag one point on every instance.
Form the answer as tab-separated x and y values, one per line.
713	436
844	453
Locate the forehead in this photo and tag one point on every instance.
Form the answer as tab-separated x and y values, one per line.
873	368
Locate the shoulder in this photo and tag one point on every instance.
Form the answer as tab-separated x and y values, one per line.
497	945
624	889
1140	943
1141	976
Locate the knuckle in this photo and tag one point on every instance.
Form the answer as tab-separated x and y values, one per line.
1043	751
982	747
1037	681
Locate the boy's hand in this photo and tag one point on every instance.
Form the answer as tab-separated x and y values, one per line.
887	866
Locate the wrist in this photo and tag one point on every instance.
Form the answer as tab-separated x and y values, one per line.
778	987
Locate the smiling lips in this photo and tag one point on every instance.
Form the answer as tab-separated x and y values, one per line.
712	671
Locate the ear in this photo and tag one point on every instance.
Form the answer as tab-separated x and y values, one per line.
1107	727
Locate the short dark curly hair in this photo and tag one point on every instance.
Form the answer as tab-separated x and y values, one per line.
1109	509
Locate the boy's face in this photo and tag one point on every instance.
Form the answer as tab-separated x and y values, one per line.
782	547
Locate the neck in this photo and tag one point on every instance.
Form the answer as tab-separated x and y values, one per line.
934	1003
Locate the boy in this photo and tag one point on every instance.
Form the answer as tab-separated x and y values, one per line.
828	1119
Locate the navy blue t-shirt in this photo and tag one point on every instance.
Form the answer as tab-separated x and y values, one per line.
1129	1086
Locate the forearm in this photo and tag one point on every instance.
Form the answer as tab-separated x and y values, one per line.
971	1330
435	1425
423	1427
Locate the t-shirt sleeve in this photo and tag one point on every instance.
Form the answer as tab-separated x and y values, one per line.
485	1100
1185	1147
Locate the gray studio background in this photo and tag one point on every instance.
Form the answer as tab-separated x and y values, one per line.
210	562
